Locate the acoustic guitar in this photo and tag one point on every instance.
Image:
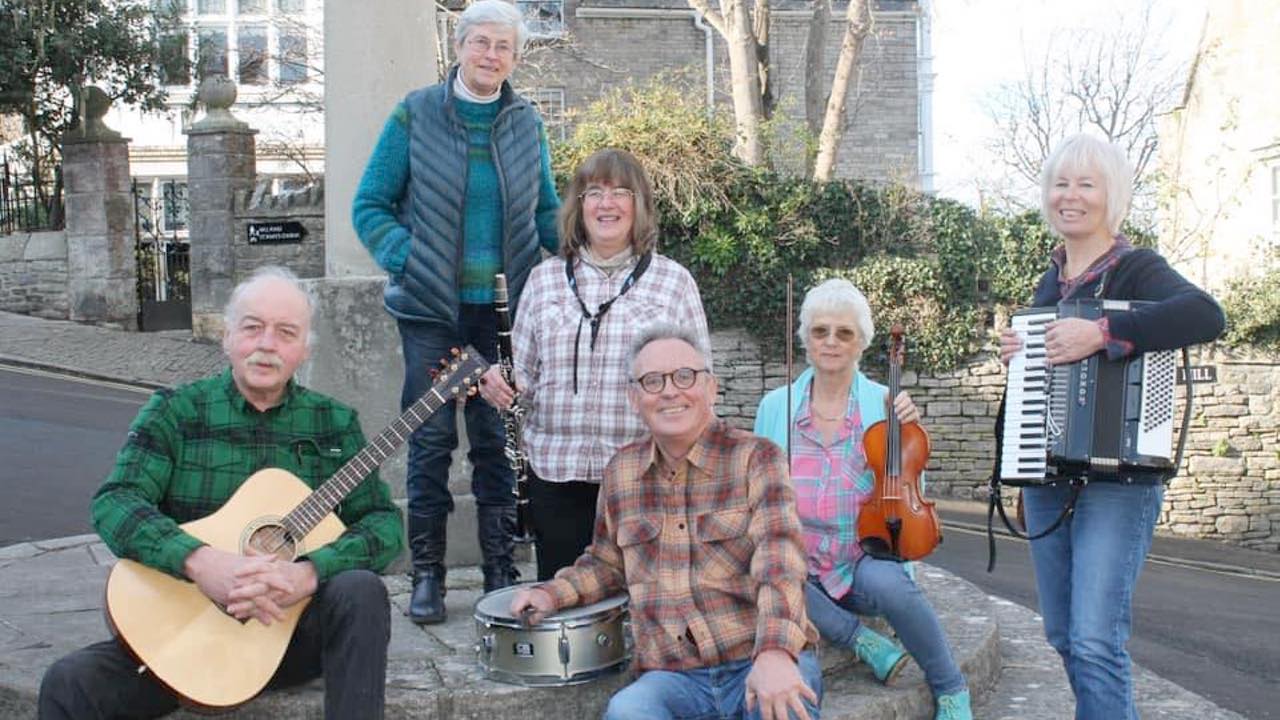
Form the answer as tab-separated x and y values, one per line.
209	658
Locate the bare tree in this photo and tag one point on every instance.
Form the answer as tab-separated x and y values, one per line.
1111	83
744	26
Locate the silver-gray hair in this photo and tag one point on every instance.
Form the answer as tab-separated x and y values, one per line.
232	314
495	12
667	331
1086	153
837	296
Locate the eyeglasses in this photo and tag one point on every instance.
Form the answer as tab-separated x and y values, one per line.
481	44
843	334
683	378
619	194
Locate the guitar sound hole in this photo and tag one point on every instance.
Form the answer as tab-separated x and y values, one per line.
275	540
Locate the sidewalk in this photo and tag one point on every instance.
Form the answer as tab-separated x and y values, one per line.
433	673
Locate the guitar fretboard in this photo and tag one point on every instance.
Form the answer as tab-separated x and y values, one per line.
325	498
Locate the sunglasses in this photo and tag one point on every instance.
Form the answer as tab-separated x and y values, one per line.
843	334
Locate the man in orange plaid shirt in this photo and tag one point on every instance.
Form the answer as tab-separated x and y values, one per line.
697	522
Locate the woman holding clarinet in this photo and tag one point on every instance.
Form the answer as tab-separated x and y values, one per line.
578	315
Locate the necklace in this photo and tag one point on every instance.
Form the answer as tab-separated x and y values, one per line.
814	409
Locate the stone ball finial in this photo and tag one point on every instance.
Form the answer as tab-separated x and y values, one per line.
94	105
218	93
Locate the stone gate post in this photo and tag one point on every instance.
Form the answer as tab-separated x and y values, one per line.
102	272
221	161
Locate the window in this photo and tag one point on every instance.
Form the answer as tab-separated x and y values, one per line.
175	63
252	48
293	56
545	18
162	207
1275	199
176	207
211	51
256	42
550	104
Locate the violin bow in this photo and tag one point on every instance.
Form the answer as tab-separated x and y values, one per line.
787	381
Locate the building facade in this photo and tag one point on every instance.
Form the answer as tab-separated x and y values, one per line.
1220	149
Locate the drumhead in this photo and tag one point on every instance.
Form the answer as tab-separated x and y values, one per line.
497	606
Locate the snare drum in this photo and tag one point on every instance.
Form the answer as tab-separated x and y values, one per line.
572	646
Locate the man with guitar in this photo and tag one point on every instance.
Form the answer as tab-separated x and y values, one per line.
187	452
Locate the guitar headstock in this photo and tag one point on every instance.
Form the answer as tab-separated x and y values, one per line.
459	373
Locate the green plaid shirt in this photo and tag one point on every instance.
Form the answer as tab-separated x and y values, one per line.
191	447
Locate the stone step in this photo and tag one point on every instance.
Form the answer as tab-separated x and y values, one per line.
52	604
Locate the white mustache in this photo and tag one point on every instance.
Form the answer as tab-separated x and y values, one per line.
262	357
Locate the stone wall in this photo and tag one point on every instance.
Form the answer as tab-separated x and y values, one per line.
305	258
33	274
1229	485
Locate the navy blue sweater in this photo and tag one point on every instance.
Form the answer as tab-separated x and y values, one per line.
1183	314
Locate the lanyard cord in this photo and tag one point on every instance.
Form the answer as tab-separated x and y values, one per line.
636	272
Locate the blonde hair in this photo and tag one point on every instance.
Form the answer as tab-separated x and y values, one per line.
1086	153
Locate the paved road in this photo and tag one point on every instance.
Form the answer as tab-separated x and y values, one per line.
1216	634
58	439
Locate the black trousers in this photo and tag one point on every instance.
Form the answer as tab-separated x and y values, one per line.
564	518
342	635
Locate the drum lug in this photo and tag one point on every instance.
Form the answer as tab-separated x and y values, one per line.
564	650
485	647
603	640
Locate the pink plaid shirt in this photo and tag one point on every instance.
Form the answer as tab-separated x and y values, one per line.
832	482
571	436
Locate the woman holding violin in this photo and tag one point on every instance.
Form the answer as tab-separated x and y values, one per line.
832	406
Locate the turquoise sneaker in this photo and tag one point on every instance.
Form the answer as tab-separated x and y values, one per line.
954	706
884	656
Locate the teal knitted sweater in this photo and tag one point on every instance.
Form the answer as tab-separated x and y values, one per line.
387	174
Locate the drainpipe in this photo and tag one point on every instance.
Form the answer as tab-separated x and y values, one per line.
710	44
924	85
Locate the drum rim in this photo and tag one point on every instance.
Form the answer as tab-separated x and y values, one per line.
614	603
549	624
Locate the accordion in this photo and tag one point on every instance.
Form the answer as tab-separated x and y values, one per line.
1099	415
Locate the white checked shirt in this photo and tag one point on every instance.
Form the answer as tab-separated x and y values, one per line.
571	436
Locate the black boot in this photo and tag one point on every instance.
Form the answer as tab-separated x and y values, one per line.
427	542
497	526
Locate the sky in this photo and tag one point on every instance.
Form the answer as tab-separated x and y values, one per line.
980	44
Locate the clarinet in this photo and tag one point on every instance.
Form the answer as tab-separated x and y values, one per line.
513	417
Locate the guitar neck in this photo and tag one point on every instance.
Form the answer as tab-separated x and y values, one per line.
325	498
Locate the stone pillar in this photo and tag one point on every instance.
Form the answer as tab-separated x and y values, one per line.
221	161
102	271
380	52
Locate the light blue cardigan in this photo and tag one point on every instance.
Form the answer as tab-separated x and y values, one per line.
771	417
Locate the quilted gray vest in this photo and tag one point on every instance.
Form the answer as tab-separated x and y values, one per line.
432	207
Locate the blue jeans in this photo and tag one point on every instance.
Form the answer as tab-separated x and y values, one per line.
715	693
1085	574
431	446
884	588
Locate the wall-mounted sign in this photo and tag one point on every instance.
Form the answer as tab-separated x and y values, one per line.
1199	374
275	233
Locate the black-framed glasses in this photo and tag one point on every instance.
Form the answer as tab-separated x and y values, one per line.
619	194
683	378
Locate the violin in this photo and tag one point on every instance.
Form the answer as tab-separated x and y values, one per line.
897	523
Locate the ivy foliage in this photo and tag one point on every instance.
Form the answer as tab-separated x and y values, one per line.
932	265
1252	305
